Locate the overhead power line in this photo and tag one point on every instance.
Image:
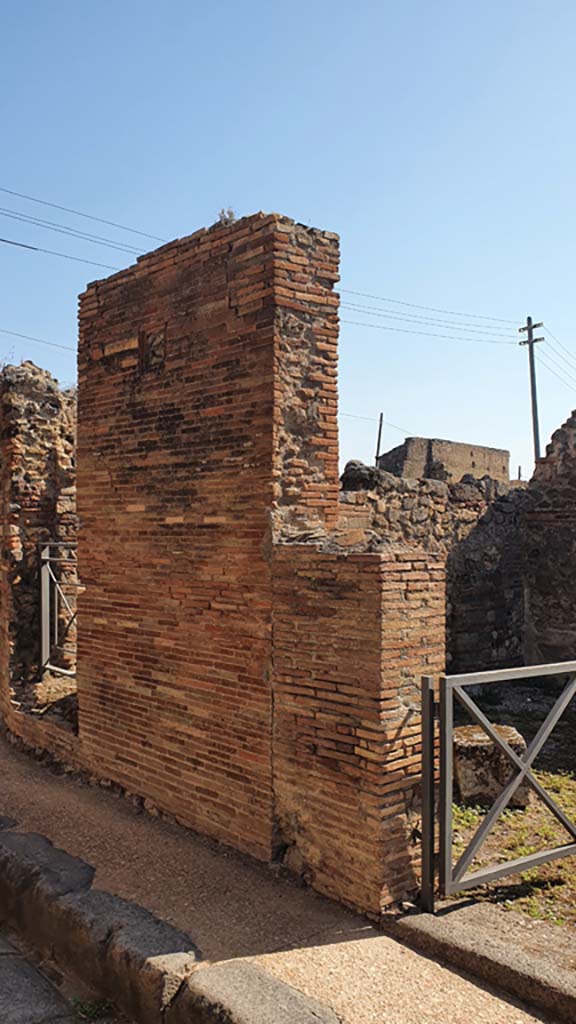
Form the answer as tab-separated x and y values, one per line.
564	367
40	341
428	334
558	342
467	328
374	419
407	433
62	229
541	362
63	255
565	350
65	229
418	318
432	309
78	213
356	416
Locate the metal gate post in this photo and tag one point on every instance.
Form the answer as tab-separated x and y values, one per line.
445	802
427	894
458	878
45	606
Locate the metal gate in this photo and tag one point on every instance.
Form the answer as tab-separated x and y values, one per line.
455	877
58	589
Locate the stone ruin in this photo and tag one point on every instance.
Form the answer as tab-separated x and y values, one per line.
38	504
550	552
476	527
251	633
433	459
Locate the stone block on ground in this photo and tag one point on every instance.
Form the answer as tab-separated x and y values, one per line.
243	993
30	863
26	997
482	770
123	951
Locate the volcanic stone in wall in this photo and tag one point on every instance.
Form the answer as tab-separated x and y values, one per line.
550	552
37	498
476	526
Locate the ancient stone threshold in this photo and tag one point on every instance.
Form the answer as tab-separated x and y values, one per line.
494	946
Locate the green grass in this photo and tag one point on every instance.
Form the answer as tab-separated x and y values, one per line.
546	892
91	1009
466	817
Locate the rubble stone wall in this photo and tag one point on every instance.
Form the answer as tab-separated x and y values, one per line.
550	552
476	526
37	504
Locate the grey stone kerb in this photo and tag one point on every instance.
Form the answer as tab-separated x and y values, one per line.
151	971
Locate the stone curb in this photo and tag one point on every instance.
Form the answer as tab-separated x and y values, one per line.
151	971
497	963
239	992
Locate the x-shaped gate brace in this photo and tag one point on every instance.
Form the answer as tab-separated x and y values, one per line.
454	878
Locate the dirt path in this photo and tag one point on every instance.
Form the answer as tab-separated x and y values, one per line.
236	908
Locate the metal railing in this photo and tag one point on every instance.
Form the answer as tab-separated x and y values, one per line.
454	877
58	606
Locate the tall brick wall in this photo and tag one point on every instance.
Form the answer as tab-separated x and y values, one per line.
205	390
37	504
250	648
244	663
352	635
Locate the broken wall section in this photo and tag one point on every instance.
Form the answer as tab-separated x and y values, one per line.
477	527
305	439
37	504
550	552
435	459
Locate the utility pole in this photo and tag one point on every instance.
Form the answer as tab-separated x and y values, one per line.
379	441
530	341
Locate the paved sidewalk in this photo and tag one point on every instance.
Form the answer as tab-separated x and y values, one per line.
26	996
235	908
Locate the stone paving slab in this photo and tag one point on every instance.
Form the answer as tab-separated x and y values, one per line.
6	949
26	997
533	959
242	993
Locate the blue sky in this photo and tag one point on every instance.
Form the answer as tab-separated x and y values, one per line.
437	139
